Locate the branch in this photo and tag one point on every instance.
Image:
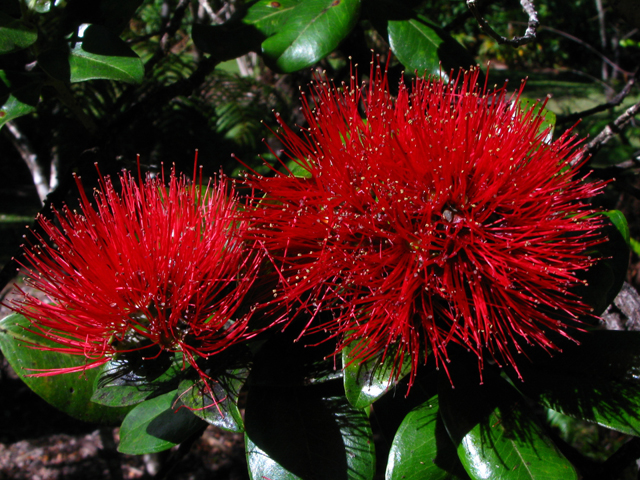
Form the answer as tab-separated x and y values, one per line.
607	133
30	157
586	45
529	34
614	102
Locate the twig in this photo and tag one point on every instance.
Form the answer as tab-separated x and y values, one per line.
608	132
529	34
614	102
609	62
28	153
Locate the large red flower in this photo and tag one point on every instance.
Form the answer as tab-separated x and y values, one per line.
441	215
151	266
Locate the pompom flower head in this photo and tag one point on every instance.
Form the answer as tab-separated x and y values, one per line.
154	268
442	215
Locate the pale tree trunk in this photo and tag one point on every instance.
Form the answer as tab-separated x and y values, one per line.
40	173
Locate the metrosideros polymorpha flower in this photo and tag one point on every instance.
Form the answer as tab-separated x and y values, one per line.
440	215
153	266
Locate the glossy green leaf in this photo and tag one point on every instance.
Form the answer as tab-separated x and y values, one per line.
308	434
262	466
15	34
425	48
617	218
313	29
549	118
597	380
269	16
366	382
98	53
496	435
130	380
69	392
156	425
216	404
510	446
19	95
422	449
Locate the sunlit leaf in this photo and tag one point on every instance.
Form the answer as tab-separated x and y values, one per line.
69	392
156	425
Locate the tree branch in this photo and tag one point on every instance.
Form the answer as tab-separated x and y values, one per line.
529	34
608	132
586	45
614	102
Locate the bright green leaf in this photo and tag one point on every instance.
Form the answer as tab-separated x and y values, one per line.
268	16
489	422
509	445
19	95
69	392
619	221
366	382
313	29
15	34
549	118
262	466
156	425
100	54
425	48
221	410
422	449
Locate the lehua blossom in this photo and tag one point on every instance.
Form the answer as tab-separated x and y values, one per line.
442	215
152	266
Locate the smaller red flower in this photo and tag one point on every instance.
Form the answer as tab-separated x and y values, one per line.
442	215
154	265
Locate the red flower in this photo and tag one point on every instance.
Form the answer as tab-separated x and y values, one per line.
151	266
441	215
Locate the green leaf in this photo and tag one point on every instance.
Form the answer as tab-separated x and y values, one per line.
15	34
268	16
69	392
366	382
156	425
549	118
597	380
308	433
98	53
619	221
221	409
422	449
313	29
19	95
424	47
262	466
496	435
510	445
130	379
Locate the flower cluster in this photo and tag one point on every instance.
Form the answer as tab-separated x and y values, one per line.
152	266
441	215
